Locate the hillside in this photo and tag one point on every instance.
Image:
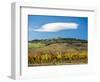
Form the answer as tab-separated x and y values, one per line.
57	51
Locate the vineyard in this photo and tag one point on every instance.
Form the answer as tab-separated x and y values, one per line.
59	51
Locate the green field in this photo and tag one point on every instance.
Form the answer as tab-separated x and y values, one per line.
57	51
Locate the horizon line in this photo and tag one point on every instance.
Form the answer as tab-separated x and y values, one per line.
58	38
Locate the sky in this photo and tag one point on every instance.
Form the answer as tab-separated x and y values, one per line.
46	27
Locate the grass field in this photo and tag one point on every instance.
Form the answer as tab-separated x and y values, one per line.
59	51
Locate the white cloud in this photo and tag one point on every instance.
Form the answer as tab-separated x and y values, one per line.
55	27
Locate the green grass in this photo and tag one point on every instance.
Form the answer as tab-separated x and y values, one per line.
35	45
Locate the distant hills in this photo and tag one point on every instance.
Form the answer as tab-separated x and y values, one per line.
58	40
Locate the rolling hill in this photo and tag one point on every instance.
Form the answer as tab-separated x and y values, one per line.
57	51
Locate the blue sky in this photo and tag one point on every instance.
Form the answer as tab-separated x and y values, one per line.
44	27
